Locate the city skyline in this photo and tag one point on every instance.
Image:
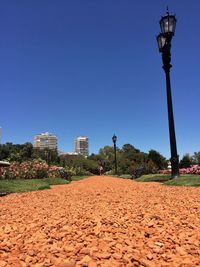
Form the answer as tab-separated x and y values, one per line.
94	68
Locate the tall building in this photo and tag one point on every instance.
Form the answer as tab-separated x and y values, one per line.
45	140
82	146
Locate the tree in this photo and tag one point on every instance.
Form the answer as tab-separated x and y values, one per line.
130	152
106	155
49	155
196	158
16	152
79	164
186	161
4	152
26	151
158	159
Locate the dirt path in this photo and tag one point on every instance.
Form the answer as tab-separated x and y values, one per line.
101	221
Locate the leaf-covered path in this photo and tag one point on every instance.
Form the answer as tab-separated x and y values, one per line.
101	221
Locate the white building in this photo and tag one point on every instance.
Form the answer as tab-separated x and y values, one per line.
82	146
45	140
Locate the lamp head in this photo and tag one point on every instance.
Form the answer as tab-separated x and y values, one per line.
114	138
168	24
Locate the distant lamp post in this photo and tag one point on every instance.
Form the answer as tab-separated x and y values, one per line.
168	26
47	154
114	139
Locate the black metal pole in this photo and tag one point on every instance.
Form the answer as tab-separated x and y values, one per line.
115	158
166	57
114	139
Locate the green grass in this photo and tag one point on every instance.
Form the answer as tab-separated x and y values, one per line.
18	185
22	185
183	180
77	178
125	176
56	181
186	180
154	178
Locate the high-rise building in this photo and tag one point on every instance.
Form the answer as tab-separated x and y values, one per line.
82	146
45	140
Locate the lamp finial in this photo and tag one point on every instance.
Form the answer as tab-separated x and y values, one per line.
167	10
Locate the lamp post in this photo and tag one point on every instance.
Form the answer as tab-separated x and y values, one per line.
168	26
47	155
114	139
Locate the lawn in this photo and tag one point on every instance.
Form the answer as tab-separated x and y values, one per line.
154	178
77	178
186	179
183	180
19	185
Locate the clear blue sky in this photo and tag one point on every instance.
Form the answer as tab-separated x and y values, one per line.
89	67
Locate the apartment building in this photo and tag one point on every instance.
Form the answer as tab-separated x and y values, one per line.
45	141
82	146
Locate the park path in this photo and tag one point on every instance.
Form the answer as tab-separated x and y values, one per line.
101	221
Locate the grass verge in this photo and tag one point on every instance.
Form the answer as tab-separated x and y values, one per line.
77	178
125	176
18	185
154	178
183	180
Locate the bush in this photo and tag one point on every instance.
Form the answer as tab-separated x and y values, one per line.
192	170
36	169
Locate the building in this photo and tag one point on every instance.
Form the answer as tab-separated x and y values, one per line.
45	141
81	146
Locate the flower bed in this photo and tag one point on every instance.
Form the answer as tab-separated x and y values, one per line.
29	170
195	169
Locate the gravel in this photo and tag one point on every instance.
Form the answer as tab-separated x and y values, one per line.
101	221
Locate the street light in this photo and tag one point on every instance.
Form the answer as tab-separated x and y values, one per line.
114	139
168	26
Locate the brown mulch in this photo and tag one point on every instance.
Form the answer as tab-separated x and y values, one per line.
101	221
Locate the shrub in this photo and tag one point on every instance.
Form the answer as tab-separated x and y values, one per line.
36	169
195	169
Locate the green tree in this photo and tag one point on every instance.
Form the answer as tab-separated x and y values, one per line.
106	155
26	151
49	155
16	152
130	152
79	164
196	158
4	152
186	161
158	159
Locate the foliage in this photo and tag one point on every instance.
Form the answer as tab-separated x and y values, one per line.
16	152
35	169
157	159
79	165
130	160
186	161
24	152
196	158
195	169
49	155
